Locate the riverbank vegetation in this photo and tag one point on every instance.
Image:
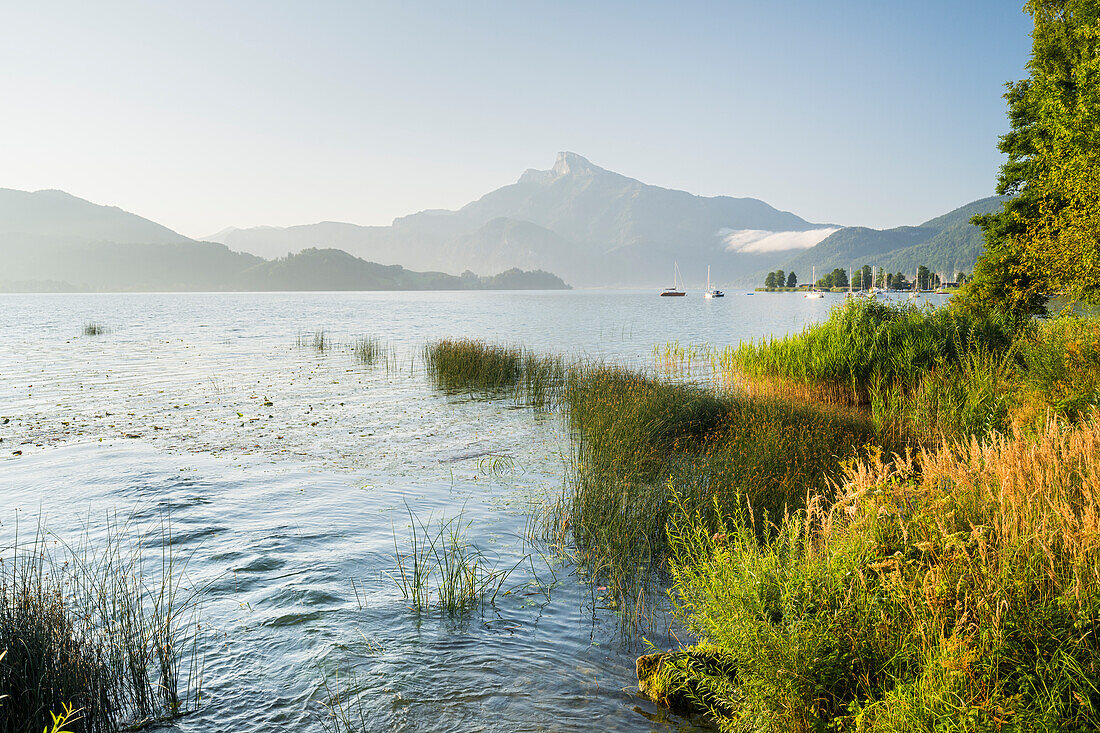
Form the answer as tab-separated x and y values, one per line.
886	518
96	634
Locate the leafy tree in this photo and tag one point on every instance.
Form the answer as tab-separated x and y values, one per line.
861	279
792	280
769	281
780	278
1047	237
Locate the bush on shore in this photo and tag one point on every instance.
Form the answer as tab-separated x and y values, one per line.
958	585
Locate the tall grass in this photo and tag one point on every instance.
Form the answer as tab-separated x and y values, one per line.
637	437
91	328
440	569
864	347
100	627
459	365
956	586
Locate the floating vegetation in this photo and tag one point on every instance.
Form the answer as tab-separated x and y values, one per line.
92	328
101	632
440	570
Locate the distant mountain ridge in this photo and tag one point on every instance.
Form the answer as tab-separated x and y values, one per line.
590	225
594	226
51	241
51	215
947	244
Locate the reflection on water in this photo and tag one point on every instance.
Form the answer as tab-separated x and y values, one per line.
287	472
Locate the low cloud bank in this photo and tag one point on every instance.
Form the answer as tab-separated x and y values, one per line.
759	240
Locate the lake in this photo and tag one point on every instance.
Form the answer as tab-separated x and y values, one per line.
289	472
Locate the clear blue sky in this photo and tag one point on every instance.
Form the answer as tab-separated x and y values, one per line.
202	115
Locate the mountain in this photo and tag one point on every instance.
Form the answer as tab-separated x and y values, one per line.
591	225
51	241
947	244
208	266
55	216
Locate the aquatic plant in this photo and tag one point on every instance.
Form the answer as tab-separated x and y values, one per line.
442	570
958	583
463	365
92	328
318	341
637	437
99	628
369	350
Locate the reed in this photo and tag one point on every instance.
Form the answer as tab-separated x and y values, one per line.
100	627
469	365
866	346
318	341
92	328
441	570
957	583
641	440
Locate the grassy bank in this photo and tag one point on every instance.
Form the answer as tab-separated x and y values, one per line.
889	523
956	587
636	437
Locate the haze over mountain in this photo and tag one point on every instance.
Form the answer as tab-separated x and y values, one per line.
595	227
947	244
590	225
58	217
52	241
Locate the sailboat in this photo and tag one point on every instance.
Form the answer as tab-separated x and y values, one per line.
814	292
915	295
674	291
715	293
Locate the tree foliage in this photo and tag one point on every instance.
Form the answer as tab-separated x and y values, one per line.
1046	239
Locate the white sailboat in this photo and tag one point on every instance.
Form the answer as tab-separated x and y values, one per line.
915	295
814	292
715	293
676	279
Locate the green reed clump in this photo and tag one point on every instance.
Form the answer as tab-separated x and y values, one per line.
866	346
957	588
368	350
92	328
318	341
51	658
101	627
636	437
440	569
457	365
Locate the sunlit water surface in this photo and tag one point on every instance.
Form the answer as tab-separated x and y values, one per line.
288	511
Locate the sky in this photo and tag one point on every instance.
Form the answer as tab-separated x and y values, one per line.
202	115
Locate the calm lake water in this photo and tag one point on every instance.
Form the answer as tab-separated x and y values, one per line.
288	510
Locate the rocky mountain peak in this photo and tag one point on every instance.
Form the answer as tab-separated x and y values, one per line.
572	164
